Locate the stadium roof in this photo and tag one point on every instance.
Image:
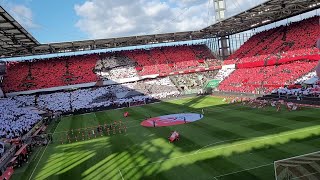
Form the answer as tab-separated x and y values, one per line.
14	39
117	42
269	12
23	44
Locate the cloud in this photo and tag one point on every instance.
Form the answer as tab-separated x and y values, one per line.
236	6
109	18
23	15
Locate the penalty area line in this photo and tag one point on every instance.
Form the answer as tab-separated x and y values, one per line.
178	157
218	143
248	169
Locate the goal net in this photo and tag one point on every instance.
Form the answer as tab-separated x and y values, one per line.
304	167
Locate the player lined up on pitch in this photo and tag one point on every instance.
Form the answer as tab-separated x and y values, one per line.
255	103
75	135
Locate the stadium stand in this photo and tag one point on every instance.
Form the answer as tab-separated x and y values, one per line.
265	79
115	67
296	38
274	58
194	82
64	71
16	120
223	73
303	79
113	95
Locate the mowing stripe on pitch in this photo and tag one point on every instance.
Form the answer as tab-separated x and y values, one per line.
209	150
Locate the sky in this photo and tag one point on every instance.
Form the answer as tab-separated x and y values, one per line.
71	20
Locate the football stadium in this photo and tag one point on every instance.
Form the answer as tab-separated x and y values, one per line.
236	98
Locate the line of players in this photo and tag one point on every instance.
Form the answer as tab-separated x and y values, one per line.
254	103
93	132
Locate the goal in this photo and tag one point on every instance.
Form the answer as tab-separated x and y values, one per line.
304	167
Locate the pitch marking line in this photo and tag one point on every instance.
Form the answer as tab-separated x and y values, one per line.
217	143
43	153
38	162
209	150
36	155
248	169
178	157
121	174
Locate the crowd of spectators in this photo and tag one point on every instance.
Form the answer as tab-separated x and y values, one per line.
78	69
162	60
311	90
118	94
194	81
224	73
15	119
265	79
115	67
297	38
292	40
306	77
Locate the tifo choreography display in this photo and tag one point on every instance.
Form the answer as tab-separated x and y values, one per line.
205	104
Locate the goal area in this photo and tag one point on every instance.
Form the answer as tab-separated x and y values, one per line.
304	167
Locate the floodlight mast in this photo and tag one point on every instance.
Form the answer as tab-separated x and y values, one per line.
220	8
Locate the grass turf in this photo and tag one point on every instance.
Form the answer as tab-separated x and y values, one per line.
230	142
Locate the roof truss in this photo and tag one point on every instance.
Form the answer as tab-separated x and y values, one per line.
14	39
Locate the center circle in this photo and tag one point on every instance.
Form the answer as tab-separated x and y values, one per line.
171	120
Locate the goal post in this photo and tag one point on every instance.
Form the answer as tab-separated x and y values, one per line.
304	167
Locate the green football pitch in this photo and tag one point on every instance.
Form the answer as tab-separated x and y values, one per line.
230	142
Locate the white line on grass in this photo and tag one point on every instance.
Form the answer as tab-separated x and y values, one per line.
37	154
248	169
43	152
209	150
121	174
177	157
38	162
218	143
